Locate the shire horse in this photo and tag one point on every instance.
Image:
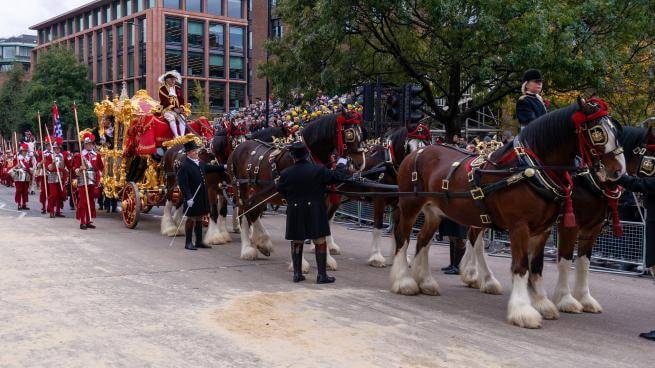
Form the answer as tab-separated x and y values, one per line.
254	165
518	188
590	205
222	145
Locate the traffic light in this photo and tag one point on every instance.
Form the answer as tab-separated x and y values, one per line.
368	102
413	104
395	106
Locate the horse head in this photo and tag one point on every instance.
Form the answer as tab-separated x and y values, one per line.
598	140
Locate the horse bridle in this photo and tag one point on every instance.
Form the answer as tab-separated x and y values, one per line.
592	135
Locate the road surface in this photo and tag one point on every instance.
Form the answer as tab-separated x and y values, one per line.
114	297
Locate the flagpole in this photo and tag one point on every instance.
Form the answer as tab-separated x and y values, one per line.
16	143
86	181
45	182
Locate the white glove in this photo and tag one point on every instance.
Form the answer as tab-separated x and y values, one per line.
342	161
189	203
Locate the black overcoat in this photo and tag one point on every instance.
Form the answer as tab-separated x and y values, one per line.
189	177
645	185
303	185
528	108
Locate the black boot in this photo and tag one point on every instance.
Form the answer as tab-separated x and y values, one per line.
188	232
450	265
321	265
296	261
198	231
458	248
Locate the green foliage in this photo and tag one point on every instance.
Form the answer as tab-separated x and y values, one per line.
12	107
450	47
60	77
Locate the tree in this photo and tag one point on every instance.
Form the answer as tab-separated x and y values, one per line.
12	106
451	47
59	77
202	109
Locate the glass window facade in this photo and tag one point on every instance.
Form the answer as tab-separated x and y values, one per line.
128	7
107	13
173	4
97	15
236	67
236	39
142	46
119	38
195	64
173	60
235	8
194	5
216	66
173	31
192	86
216	36
215	7
237	96
216	96
196	34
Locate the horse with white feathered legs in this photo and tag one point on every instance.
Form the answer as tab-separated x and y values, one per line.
254	165
519	188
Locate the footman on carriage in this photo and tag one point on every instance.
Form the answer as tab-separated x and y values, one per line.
172	102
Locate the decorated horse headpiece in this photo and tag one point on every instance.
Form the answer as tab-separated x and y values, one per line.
348	129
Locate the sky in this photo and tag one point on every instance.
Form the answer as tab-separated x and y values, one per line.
17	16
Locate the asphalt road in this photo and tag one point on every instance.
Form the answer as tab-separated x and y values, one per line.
114	297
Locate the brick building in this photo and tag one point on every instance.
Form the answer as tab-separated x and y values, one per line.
216	43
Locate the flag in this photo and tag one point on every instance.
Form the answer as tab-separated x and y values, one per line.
57	132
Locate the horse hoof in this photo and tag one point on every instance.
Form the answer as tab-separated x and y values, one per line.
405	286
470	277
491	286
376	260
590	305
249	254
546	308
568	304
331	263
524	315
226	237
334	248
430	287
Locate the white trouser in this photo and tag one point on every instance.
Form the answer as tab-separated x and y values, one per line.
178	127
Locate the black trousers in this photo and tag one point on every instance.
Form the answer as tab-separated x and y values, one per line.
650	243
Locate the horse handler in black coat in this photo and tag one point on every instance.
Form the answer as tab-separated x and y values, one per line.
193	187
303	185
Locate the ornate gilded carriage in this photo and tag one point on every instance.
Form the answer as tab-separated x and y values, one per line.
137	180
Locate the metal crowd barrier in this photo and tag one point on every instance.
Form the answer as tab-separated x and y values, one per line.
625	255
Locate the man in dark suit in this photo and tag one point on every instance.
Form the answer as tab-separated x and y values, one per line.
191	180
645	185
303	185
530	105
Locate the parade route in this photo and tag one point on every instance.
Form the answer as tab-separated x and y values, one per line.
115	297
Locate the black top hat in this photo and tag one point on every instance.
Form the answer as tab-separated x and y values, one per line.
299	151
532	74
190	146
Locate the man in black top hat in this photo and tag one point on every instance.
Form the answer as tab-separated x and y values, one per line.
193	187
303	185
530	105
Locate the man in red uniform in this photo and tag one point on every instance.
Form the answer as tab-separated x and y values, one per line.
88	164
172	101
39	173
22	173
56	177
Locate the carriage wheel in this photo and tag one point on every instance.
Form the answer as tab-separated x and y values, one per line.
131	205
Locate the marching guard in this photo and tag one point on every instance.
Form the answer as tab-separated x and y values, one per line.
22	173
172	102
56	175
303	185
87	167
39	173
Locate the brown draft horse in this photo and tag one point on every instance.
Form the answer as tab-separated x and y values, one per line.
386	158
549	146
254	165
591	210
222	146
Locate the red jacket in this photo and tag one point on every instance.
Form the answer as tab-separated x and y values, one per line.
169	102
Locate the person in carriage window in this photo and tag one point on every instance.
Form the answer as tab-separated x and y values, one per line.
303	185
530	105
172	101
645	185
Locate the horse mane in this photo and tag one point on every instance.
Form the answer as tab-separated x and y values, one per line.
267	134
320	129
398	137
549	131
632	138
